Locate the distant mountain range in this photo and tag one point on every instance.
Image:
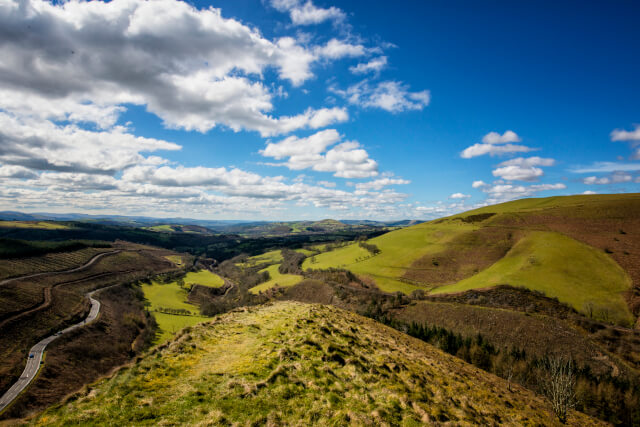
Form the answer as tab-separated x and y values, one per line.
213	225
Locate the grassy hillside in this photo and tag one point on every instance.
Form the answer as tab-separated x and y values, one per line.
298	364
164	302
399	249
277	278
583	250
42	225
559	267
205	278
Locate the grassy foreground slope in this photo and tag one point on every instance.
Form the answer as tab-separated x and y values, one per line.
298	364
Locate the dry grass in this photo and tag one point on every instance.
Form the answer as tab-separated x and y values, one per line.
298	364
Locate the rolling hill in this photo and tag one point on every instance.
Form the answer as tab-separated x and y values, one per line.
290	363
582	250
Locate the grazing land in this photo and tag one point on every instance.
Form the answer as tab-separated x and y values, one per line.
170	308
291	363
204	278
276	279
559	267
583	250
42	225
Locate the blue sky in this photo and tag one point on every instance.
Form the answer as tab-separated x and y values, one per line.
298	109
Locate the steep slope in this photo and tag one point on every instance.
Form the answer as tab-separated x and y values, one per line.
299	364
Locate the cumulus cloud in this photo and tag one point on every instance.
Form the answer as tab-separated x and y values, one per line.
391	96
522	169
478	184
294	146
589	192
337	49
493	150
614	178
373	66
378	184
459	196
498	193
492	145
306	13
43	145
12	171
345	160
625	135
82	61
496	138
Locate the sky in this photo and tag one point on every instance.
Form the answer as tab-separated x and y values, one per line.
311	109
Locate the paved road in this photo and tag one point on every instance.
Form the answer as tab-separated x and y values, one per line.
73	270
33	363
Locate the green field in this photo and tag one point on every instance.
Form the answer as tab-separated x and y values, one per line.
171	296
270	257
30	224
342	258
205	278
282	280
559	267
170	324
164	228
398	250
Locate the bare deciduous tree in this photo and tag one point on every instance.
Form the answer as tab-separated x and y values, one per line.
558	383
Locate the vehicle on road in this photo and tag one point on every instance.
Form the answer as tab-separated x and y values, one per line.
31	356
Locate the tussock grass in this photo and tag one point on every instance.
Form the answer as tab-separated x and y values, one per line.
298	364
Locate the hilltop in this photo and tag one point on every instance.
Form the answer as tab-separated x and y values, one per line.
300	364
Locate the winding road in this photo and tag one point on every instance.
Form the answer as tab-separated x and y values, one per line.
36	354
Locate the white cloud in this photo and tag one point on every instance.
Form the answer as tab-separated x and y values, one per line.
625	135
528	161
42	145
588	192
493	150
337	49
459	196
378	184
496	138
193	68
327	184
499	193
345	160
522	169
306	13
375	65
614	178
391	96
10	171
294	146
478	184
